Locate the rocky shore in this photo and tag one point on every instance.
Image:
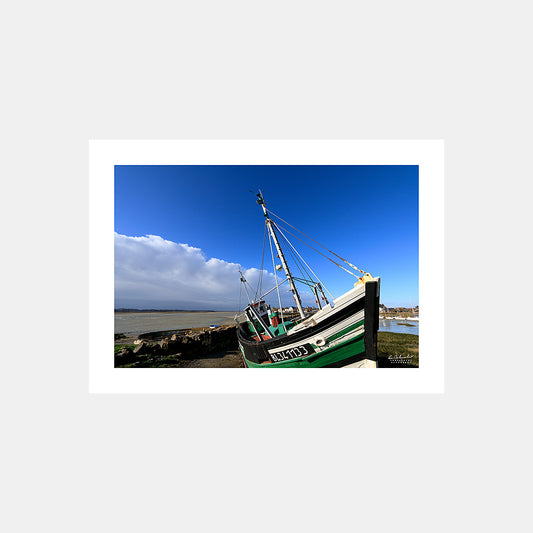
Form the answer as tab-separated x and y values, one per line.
197	347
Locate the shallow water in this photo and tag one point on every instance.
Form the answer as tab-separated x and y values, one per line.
147	322
398	326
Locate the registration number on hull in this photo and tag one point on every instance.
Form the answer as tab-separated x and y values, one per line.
292	353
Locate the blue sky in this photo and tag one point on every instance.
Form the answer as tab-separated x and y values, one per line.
366	214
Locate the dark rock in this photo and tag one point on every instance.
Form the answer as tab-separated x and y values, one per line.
124	357
174	346
155	349
194	344
143	348
178	348
169	347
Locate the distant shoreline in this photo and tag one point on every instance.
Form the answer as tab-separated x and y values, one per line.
166	311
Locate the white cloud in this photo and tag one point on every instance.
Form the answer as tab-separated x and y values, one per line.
151	272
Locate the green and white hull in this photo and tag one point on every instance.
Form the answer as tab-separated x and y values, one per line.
337	335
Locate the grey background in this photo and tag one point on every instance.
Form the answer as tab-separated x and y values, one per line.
74	71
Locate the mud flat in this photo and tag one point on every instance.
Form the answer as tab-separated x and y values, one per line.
146	322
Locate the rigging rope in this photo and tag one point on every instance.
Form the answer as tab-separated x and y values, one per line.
260	283
330	251
244	282
314	274
303	271
277	285
240	295
318	251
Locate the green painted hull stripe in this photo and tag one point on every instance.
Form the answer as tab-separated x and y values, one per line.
346	330
332	355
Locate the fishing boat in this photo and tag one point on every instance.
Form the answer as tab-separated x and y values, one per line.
338	332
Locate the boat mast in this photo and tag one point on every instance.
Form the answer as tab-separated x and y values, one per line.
261	202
